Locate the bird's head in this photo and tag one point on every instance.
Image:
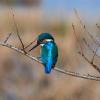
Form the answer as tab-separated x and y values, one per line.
42	38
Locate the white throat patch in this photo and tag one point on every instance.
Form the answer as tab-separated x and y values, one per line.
42	45
47	40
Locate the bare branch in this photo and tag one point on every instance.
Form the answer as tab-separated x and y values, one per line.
92	64
74	32
7	38
19	51
82	54
79	75
15	24
84	27
94	54
90	47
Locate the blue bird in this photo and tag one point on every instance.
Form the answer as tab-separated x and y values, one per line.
49	51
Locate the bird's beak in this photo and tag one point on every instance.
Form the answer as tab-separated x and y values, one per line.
34	46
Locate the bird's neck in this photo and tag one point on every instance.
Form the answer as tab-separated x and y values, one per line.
46	40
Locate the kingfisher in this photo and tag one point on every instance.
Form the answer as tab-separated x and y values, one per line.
49	51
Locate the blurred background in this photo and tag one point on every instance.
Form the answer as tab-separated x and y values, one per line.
23	79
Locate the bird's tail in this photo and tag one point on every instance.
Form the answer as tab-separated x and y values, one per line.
48	68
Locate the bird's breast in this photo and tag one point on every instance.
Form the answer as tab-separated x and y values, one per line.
49	51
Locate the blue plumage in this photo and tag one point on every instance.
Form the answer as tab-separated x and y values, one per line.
49	55
49	51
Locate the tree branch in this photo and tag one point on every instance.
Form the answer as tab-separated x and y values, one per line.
7	38
79	75
82	54
15	24
94	54
74	32
85	42
84	27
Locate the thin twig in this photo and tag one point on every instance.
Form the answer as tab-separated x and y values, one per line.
93	76
19	51
85	42
15	24
88	76
94	55
82	54
74	32
79	75
84	27
92	64
7	38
